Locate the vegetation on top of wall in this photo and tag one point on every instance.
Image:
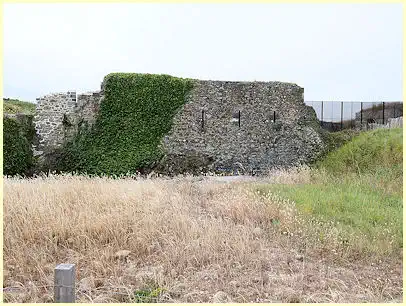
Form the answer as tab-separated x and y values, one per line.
14	106
17	152
136	112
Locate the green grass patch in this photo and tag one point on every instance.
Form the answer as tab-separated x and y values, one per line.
358	188
375	156
369	219
13	106
358	208
147	295
335	140
368	152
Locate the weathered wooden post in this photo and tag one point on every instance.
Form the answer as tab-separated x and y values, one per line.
64	283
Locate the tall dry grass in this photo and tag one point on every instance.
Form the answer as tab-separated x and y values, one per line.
187	240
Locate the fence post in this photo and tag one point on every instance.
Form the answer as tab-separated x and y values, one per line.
383	112
64	283
239	118
351	121
361	115
342	114
321	122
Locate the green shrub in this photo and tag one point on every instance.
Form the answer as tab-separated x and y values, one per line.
148	295
369	152
17	152
335	140
137	111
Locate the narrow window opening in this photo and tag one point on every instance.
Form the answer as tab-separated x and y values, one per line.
237	118
202	119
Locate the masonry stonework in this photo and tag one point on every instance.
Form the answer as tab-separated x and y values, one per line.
242	126
58	117
223	126
88	106
51	114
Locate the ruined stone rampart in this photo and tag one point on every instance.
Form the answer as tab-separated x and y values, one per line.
50	117
242	126
59	115
223	126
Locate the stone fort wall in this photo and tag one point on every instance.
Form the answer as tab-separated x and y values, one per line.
223	126
242	126
59	115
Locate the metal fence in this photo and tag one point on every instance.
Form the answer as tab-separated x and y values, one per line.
339	115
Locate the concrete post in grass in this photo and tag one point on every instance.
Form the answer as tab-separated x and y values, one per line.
64	283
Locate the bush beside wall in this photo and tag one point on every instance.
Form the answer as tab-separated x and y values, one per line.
335	140
379	150
17	152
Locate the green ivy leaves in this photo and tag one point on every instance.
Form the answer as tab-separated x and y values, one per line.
137	111
17	154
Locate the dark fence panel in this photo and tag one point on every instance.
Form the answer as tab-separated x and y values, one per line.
339	115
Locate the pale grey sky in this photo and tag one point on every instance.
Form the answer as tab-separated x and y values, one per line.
335	51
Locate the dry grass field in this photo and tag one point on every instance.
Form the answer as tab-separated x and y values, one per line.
182	240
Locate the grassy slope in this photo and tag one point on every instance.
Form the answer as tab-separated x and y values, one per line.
370	152
359	188
16	106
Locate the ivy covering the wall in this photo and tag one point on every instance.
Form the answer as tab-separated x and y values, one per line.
17	151
135	114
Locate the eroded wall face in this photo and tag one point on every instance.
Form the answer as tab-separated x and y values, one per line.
88	107
58	117
229	126
51	113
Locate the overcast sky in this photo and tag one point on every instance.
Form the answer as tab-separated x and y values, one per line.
335	51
